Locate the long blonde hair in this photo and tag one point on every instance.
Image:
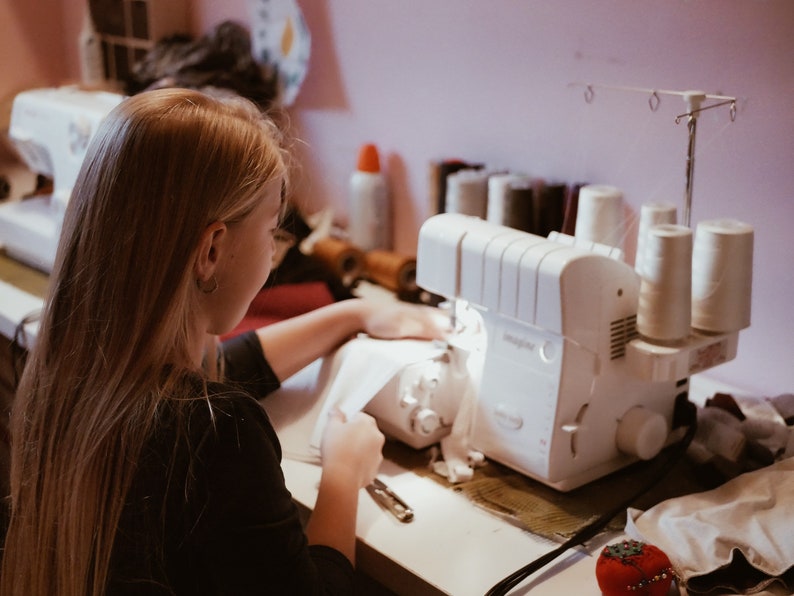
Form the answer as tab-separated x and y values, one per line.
113	339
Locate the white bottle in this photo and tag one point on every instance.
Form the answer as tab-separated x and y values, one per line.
369	208
92	65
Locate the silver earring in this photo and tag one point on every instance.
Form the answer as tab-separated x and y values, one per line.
210	289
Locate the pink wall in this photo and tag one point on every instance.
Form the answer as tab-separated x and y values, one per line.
31	52
491	81
32	47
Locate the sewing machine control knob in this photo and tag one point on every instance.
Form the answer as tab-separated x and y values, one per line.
425	421
431	372
428	382
641	433
408	401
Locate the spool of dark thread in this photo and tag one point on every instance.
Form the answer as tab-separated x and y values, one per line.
549	209
571	207
518	206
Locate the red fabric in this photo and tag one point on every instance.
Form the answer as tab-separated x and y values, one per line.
281	302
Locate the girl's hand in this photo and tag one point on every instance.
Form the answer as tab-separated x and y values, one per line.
352	448
402	320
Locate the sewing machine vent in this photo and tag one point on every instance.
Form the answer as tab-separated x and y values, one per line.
622	331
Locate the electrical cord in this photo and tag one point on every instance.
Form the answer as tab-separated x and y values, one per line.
589	531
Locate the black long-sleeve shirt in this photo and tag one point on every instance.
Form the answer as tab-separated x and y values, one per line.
219	519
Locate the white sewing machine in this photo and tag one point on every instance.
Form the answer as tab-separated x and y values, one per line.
51	129
569	392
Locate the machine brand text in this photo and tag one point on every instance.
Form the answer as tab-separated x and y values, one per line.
519	342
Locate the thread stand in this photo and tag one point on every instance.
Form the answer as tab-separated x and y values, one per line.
694	101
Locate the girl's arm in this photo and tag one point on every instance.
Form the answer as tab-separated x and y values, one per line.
351	456
292	344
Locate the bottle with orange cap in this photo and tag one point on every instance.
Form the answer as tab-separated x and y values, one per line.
369	209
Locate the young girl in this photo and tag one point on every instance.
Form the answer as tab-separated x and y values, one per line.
141	461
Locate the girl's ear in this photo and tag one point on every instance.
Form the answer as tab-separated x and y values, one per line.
211	244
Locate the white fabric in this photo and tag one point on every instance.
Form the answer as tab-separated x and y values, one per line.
457	458
367	364
752	513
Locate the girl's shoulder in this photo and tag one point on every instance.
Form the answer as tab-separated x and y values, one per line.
228	416
218	404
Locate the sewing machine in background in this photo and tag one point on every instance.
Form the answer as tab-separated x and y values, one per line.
51	129
567	391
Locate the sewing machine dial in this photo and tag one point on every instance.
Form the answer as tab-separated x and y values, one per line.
425	421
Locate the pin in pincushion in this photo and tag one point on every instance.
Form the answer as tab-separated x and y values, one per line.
632	567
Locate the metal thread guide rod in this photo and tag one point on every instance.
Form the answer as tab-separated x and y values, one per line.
694	101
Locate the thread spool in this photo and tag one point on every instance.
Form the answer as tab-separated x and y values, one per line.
391	270
571	209
467	193
664	313
439	172
549	208
722	272
343	259
652	214
519	205
499	207
599	216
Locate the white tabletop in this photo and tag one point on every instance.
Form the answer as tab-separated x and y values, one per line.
451	547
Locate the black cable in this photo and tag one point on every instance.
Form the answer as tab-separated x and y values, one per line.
589	531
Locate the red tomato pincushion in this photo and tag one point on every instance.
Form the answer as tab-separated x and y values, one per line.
632	567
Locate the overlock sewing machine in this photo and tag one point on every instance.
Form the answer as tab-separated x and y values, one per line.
567	391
